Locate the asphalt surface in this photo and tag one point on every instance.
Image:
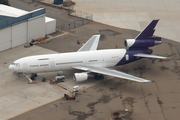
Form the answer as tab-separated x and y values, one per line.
158	100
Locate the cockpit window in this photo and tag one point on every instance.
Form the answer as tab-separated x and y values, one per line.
16	64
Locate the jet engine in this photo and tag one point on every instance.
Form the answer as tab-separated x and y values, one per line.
80	76
133	43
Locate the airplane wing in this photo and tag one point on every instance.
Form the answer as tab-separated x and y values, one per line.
109	72
91	44
149	56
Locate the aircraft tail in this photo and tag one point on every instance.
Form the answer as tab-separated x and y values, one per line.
145	39
148	32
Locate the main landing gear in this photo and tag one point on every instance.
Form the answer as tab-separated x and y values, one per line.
33	76
98	76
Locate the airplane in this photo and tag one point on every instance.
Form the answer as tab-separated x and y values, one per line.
93	61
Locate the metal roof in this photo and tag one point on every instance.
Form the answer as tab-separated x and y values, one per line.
10	15
8	10
48	19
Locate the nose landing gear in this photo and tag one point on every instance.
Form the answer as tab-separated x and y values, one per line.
33	76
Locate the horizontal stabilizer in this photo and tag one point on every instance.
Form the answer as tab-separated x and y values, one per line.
149	56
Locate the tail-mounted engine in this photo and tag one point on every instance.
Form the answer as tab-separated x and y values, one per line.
145	39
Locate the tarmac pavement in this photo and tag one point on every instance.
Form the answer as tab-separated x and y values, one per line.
135	14
17	96
157	100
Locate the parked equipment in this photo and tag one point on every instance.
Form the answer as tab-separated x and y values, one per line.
117	117
44	79
58	79
75	88
70	96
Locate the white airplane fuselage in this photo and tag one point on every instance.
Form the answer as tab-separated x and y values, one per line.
66	61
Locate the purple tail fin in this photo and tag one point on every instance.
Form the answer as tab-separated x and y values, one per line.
148	31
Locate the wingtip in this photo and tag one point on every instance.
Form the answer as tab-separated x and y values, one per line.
97	35
147	81
144	81
167	58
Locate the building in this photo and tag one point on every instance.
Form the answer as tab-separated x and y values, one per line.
18	26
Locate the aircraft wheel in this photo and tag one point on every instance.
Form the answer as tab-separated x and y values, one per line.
63	79
35	74
102	76
32	78
96	77
66	97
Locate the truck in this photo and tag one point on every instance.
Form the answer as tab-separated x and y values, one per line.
70	96
58	79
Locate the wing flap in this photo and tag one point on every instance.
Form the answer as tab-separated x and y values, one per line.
150	56
91	44
109	72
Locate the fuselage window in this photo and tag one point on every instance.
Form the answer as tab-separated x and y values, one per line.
93	60
34	65
44	59
69	62
45	65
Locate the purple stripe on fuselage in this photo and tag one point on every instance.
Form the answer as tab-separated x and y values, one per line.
131	56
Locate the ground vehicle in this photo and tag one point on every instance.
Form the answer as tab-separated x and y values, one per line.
116	113
58	79
117	117
70	96
61	78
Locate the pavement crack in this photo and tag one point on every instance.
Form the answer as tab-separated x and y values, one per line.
160	104
176	68
156	85
82	115
145	101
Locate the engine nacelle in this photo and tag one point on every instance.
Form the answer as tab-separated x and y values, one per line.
132	43
80	76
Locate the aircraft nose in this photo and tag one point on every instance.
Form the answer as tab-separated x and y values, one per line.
10	67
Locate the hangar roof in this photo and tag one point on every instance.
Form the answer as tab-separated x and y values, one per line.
11	11
10	15
47	19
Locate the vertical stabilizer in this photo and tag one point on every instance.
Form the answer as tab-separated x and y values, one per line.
148	31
